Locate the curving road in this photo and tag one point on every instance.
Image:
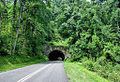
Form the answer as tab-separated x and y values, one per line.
52	71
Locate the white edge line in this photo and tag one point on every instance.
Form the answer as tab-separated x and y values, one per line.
32	74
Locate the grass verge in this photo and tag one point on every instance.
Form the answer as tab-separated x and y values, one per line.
9	63
77	73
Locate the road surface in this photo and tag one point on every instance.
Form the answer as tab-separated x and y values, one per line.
52	71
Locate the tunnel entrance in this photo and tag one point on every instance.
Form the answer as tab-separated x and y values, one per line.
56	55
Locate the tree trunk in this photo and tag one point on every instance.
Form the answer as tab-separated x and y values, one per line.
0	24
19	24
119	3
119	12
13	22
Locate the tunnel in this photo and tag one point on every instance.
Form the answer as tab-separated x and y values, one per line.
56	55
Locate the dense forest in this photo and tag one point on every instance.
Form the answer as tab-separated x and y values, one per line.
90	28
25	26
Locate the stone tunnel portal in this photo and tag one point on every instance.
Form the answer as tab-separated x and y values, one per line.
56	55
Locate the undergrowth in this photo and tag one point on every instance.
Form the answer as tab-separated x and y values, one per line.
76	72
13	62
103	67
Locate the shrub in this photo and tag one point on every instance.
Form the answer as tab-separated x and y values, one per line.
101	61
89	64
104	68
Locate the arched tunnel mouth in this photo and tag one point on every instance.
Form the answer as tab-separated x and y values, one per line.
56	55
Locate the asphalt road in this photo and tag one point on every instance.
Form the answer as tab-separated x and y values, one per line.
52	71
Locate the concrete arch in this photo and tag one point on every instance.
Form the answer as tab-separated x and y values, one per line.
49	48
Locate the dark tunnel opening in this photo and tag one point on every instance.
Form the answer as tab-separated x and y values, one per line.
56	55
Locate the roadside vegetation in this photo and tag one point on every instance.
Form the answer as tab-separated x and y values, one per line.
24	28
14	62
93	33
101	68
76	72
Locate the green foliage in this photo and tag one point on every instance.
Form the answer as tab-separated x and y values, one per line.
92	29
13	62
103	68
76	72
34	28
112	52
